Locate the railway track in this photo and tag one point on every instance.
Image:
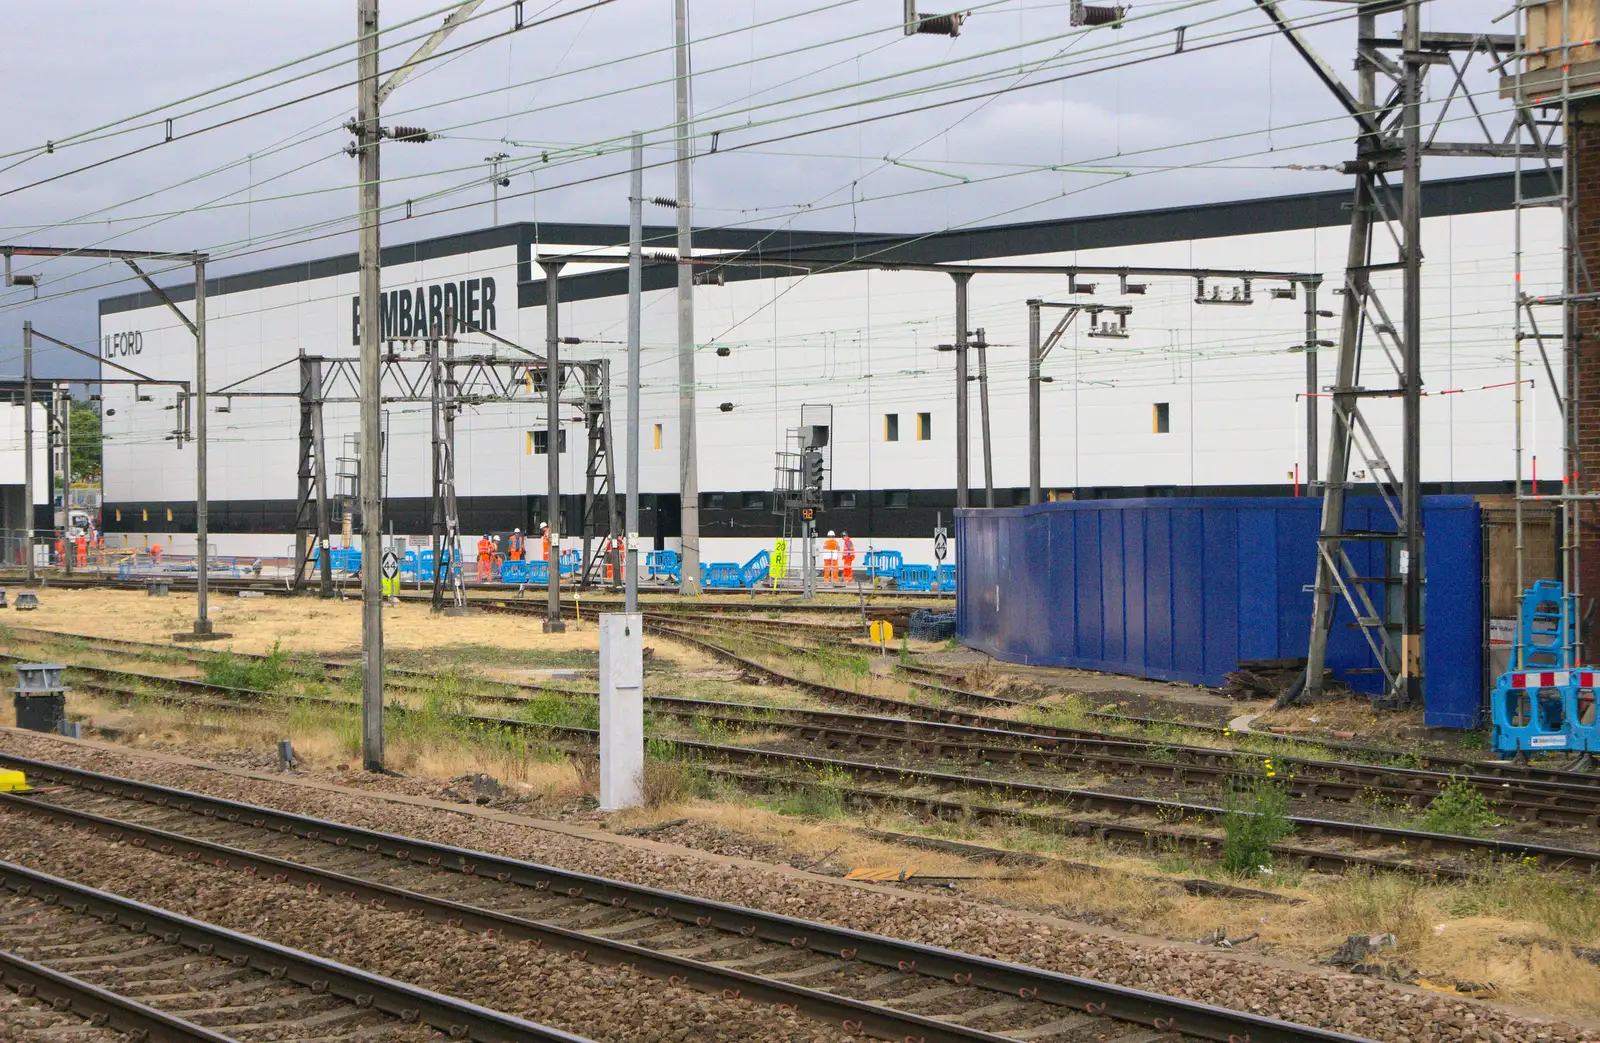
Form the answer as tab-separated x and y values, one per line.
141	968
733	604
1554	803
1143	821
885	987
1501	770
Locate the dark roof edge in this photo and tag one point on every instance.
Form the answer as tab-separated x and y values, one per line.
1474	194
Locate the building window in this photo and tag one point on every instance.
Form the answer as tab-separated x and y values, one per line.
755	501
924	427
845	500
712	501
539	442
898	498
891	427
658	436
1161	418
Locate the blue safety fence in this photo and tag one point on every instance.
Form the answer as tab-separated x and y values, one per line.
1183	589
757	569
882	564
425	561
946	582
721	575
663	565
1546	701
516	571
340	559
915	577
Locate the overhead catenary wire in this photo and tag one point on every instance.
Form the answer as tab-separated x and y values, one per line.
264	248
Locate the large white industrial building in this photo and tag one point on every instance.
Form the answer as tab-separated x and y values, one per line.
1198	399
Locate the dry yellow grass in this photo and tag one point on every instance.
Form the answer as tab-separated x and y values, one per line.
299	624
1513	933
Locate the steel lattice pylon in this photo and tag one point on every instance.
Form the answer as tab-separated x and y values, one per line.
1385	237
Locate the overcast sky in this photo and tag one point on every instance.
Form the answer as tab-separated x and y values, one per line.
920	140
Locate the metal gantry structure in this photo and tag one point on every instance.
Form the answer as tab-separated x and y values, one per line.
1385	237
1547	93
202	629
428	370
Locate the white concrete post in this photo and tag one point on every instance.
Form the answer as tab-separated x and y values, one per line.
621	710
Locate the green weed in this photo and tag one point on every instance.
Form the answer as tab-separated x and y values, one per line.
264	674
1255	818
820	796
1459	809
561	710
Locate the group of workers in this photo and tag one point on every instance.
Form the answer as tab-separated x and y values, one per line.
834	551
77	543
516	550
838	554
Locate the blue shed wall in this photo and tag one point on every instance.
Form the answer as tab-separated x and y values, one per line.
1182	589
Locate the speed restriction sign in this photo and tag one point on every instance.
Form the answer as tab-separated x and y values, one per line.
391	574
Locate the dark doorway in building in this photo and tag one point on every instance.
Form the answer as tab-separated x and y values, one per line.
669	518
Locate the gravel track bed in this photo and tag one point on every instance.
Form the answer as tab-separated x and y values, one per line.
601	1003
1346	1003
32	1021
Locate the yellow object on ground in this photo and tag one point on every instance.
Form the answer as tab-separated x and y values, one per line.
13	782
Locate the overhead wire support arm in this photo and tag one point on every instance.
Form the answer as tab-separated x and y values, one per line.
431	44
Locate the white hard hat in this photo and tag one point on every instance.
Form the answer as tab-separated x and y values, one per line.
830	532
516	530
544	525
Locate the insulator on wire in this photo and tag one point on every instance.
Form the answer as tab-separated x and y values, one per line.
1096	14
417	134
669	203
940	24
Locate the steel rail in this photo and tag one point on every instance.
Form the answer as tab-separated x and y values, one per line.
1165	1013
1415	842
881	1021
735	602
99	1006
1495	769
407	1002
1549	803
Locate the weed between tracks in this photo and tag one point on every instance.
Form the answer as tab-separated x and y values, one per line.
1513	926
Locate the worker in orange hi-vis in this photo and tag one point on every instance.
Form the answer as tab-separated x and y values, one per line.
830	559
81	546
544	531
485	557
847	548
517	545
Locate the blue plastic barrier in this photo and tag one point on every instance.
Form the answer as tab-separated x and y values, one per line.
914	577
946	583
882	563
340	559
1545	705
663	565
722	575
757	569
515	571
1532	709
